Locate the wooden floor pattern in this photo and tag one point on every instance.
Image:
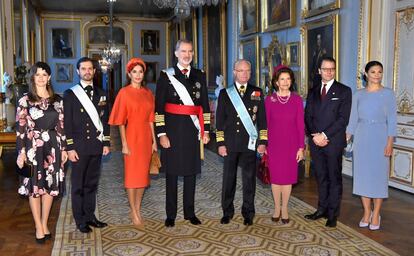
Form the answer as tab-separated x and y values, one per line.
17	228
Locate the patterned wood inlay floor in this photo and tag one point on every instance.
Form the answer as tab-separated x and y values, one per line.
299	237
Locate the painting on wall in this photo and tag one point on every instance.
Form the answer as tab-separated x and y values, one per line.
151	72
62	43
319	39
102	35
214	54
64	72
248	16
292	54
315	7
150	42
278	14
173	34
249	50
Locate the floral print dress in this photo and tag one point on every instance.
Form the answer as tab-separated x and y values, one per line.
41	136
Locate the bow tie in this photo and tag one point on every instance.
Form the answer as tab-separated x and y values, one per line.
184	71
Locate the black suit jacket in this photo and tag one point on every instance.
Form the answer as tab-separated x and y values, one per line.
330	115
183	157
230	130
81	133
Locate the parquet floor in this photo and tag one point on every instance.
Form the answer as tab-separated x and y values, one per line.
17	228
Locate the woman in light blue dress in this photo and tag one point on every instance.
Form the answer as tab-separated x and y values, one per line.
373	125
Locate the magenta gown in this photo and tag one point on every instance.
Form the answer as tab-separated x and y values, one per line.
286	134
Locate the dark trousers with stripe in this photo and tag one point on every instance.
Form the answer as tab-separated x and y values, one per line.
247	161
85	179
188	196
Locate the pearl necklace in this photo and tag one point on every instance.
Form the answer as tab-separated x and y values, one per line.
281	99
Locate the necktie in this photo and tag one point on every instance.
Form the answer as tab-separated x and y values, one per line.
323	93
242	89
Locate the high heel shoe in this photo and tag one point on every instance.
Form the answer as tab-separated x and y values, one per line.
284	221
40	240
375	227
363	224
48	236
276	219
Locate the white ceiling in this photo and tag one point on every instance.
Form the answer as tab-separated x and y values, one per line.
121	7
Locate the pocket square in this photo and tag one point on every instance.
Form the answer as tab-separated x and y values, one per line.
335	99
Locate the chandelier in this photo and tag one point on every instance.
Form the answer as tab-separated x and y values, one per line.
182	8
111	54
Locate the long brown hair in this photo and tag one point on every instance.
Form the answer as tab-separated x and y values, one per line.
33	96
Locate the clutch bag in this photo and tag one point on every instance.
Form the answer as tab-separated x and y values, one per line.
155	163
348	150
25	171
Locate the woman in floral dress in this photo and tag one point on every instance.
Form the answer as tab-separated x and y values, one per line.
41	142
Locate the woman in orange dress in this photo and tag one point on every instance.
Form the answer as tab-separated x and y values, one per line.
133	112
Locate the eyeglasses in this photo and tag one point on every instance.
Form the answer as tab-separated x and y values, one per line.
328	69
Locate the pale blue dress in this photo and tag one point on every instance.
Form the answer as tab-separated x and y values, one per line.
373	119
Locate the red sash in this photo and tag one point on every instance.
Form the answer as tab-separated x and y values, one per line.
187	110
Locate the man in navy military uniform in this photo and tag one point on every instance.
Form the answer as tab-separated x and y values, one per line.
182	118
87	132
240	109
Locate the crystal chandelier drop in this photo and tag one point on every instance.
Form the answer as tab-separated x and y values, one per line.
111	53
182	8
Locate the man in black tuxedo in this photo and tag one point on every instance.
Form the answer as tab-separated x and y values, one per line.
327	111
182	119
234	137
87	136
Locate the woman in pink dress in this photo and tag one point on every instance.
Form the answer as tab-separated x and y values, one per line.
285	124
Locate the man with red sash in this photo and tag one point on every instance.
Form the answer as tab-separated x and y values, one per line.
182	121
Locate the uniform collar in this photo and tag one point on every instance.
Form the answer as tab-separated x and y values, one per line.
181	68
83	84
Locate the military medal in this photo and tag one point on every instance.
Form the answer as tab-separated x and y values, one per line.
198	85
254	109
253	117
197	95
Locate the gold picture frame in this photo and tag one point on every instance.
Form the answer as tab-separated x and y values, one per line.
248	16
279	15
275	55
150	42
64	73
312	8
249	50
319	38
293	54
215	47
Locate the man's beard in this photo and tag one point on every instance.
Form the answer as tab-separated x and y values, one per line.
85	78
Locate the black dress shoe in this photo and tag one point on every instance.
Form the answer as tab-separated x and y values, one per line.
169	222
331	223
48	236
194	220
225	220
248	221
96	223
84	228
316	215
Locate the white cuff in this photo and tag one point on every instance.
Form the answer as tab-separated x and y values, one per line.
161	134
326	137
